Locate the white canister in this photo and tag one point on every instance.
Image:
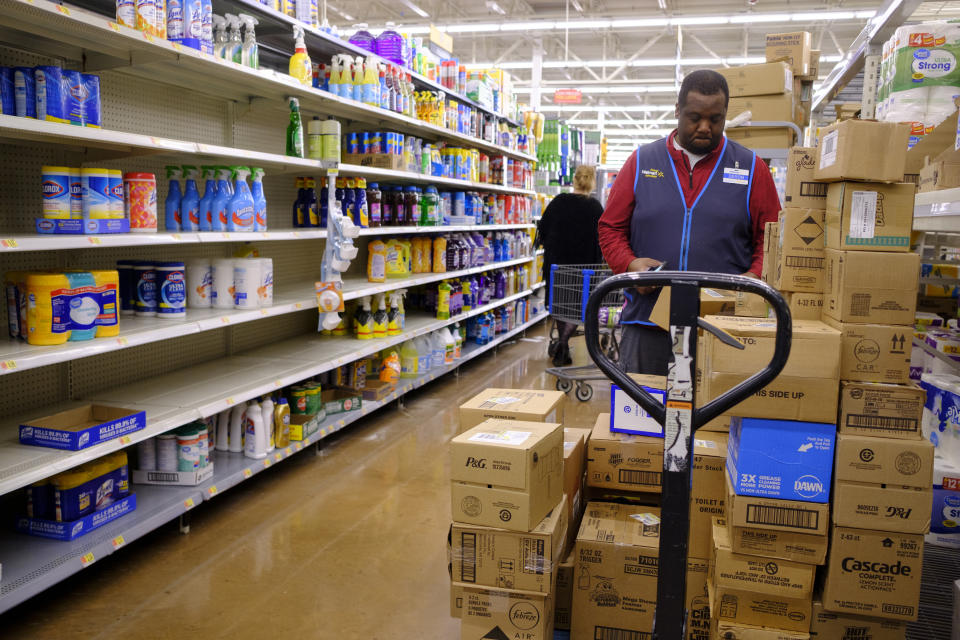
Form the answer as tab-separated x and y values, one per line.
222	286
167	452
246	281
265	289
147	454
95	184
200	284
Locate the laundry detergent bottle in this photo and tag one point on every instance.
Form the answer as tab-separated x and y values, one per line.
240	209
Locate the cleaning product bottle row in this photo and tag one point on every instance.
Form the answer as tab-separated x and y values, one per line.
224	206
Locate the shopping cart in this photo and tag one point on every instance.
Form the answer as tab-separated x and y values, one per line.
570	288
679	415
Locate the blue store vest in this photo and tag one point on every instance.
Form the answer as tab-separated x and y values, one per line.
715	234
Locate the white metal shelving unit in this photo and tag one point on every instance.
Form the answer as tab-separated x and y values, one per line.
937	211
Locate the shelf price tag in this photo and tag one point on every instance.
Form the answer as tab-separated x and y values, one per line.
122	342
188	503
9	243
93	240
247	473
125	440
87	559
114	26
62	9
225	319
266	462
8	365
118	542
278	457
299	446
212	490
288	451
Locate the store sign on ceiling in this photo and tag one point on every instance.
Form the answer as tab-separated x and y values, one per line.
567	96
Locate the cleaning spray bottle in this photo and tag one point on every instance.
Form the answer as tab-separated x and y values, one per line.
219	36
233	50
363	320
190	203
240	208
250	51
281	423
267	409
218	207
401	311
333	85
380	318
236	427
300	66
259	200
174	196
358	75
297	219
209	195
371	83
393	315
295	130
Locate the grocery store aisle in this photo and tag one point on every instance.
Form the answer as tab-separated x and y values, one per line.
351	545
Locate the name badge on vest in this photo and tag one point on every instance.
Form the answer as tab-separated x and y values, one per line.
736	176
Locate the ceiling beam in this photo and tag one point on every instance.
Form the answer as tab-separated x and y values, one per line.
639	52
704	46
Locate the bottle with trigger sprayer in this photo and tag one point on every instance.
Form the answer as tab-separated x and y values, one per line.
240	208
300	66
190	203
250	51
174	197
209	195
259	199
218	208
219	36
234	47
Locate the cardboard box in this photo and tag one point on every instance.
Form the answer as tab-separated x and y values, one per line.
82	427
750	305
616	573
574	470
771	237
882	507
698	600
803	399
874	352
800	258
563	599
376	390
781	459
811	518
853	292
304	425
814	64
828	625
881	410
627	416
173	478
491	613
884	460
733	631
873	573
862	150
456	600
803	305
528	405
506	473
938	175
73	529
712	303
870	216
802	190
758	79
376	160
772	108
794	48
783	545
622	461
340	401
762	137
708	490
500	559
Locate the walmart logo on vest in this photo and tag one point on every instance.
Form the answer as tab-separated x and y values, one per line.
651	173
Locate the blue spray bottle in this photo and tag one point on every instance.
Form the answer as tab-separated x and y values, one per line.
190	203
240	210
259	200
218	208
209	194
172	206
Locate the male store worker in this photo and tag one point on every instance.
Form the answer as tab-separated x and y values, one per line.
695	201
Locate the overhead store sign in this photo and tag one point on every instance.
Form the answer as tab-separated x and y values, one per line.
567	96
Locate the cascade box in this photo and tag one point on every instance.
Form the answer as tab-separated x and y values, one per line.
853	292
707	490
512	404
758	79
805	390
617	552
82	427
506	473
802	190
574	469
881	410
70	530
779	107
874	352
873	573
870	216
781	459
882	507
627	416
908	463
782	545
803	305
794	48
623	461
563	599
792	516
758	591
762	137
500	559
733	631
862	150
492	613
698	600
800	258
828	625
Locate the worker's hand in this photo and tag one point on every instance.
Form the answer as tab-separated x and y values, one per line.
643	264
751	274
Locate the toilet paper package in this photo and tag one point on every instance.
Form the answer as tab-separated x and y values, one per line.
941	415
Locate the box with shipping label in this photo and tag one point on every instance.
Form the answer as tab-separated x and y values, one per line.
783	545
812	518
829	625
874	352
615	587
707	490
762	137
938	175
627	416
734	631
500	559
758	79
884	460
870	287
804	305
793	48
882	507
862	150
802	190
870	216
82	427
881	410
493	613
622	461
712	303
781	459
800	258
873	573
563	598
506	473
778	108
529	405
698	600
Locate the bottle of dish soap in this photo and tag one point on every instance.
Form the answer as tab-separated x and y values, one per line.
234	47
209	194
172	205
300	66
295	131
250	51
240	208
218	208
190	203
259	200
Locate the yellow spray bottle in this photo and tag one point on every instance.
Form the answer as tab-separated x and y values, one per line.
300	66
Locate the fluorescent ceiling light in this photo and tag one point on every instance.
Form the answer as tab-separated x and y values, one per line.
749	18
639	64
417	10
815	17
584	24
594	89
646	108
626	23
540	25
699	20
479	27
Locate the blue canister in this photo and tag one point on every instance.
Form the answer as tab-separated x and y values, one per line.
91	102
74	96
146	283
389	143
365	142
128	286
24	88
8	99
171	290
51	102
353	143
399	141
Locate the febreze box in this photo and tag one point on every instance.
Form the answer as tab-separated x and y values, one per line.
530	405
627	416
781	459
874	352
506	473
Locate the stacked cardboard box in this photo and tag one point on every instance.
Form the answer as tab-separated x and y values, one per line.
532	405
767	91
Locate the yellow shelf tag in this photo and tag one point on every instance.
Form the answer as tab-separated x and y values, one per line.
247	473
188	503
212	491
87	559
118	542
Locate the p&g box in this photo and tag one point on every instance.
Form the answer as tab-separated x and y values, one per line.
781	459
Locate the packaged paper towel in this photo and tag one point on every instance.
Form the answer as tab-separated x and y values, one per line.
945	517
941	414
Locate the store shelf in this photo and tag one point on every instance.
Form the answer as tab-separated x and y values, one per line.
409	176
382	231
937	211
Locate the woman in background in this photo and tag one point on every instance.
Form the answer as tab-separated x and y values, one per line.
568	233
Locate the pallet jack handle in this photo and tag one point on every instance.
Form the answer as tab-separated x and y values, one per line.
679	415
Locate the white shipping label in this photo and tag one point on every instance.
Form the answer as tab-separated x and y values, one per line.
503	400
863	214
512	438
648	519
828	149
